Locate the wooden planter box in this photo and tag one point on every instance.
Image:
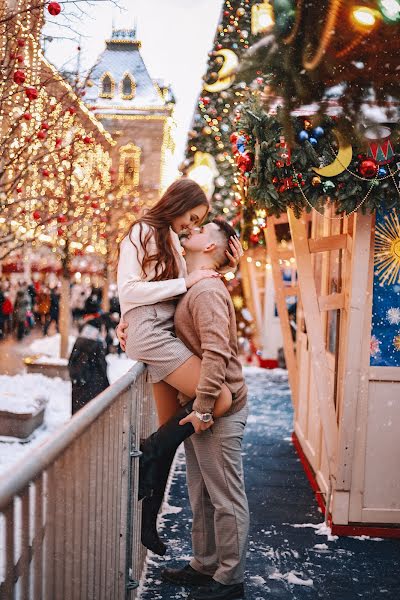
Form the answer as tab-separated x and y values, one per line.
20	425
47	366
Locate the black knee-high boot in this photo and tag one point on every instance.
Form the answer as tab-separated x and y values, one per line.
159	449
155	464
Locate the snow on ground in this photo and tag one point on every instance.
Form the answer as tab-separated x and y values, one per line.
49	345
21	393
27	387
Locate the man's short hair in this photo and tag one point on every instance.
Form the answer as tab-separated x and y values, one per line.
225	232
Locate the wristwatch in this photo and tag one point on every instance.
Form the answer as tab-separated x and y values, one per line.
205	417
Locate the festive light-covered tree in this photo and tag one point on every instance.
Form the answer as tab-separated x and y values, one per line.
209	157
54	154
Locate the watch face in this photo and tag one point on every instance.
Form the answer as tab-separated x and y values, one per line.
207	417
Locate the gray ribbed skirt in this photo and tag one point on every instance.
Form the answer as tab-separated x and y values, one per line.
152	339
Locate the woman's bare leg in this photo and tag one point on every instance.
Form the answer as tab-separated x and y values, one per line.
166	400
186	379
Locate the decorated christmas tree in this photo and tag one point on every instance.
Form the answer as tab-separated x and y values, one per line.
209	158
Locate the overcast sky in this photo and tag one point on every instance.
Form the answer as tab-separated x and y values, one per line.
176	37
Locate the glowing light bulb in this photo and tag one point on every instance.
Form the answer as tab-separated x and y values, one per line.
364	17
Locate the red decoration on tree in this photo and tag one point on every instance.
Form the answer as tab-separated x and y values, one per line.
19	190
205	100
20	58
233	137
87	140
20	43
60	232
31	93
94	204
368	168
19	77
245	162
45	126
27	116
45	173
58	142
72	110
61	218
54	9
86	196
36	215
41	135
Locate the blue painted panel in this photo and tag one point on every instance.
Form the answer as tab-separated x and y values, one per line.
385	335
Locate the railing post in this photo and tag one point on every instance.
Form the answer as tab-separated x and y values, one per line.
134	454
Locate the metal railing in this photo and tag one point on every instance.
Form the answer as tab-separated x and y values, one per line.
69	516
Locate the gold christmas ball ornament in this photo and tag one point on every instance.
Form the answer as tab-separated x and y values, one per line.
316	181
240	12
207	130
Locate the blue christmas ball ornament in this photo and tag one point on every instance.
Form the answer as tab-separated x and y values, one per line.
382	172
241	144
313	141
303	136
318	132
235	46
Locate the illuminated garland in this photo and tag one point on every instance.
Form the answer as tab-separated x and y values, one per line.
319	167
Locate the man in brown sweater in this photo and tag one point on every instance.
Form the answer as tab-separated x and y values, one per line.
205	322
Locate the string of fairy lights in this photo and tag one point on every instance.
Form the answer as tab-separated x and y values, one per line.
56	154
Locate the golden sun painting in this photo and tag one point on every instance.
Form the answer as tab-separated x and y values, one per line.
387	250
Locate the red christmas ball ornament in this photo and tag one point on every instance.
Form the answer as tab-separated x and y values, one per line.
31	93
72	110
61	218
94	204
368	168
86	196
103	235
20	58
58	142
19	77
254	238
246	162
19	190
206	100
41	135
20	43
54	8
233	137
27	116
45	126
45	173
87	140
60	232
36	215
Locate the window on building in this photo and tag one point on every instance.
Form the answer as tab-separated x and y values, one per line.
107	86
129	167
128	87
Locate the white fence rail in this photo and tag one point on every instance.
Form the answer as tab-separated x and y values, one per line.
70	520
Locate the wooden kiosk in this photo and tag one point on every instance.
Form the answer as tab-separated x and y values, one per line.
345	369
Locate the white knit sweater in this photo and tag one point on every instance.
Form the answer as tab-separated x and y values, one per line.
134	289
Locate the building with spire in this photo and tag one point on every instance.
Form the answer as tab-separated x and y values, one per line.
138	112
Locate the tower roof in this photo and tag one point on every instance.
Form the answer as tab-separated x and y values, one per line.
121	60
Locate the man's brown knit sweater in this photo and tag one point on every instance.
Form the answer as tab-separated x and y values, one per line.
205	322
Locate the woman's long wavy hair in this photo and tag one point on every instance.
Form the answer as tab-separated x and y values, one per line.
181	196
